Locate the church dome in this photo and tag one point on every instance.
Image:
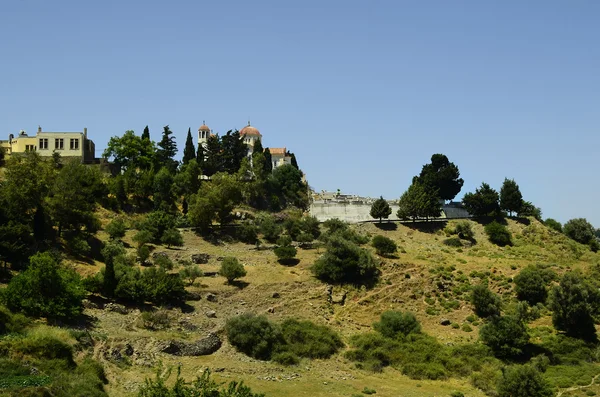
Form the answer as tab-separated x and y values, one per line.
249	130
204	127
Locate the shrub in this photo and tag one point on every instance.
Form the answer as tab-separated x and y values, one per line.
306	339
152	285
553	224
143	253
498	234
231	269
309	225
164	262
253	335
397	325
45	289
78	245
172	237
523	381
286	358
345	262
485	302
383	245
453	242
531	286
116	229
155	320
506	336
143	237
247	233
333	225
10	322
270	229
580	230
464	230
191	273
157	222
285	253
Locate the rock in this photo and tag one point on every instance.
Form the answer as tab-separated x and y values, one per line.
193	296
339	299
271	310
128	350
275	295
157	254
211	314
220	369
210	274
202	347
199	259
115	307
211	297
445	321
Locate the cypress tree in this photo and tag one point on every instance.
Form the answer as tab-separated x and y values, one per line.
294	162
189	152
146	133
268	162
200	156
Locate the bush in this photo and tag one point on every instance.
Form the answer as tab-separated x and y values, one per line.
253	335
345	262
45	289
485	302
531	286
383	245
231	269
270	229
156	320
172	237
506	336
397	325
580	230
247	233
157	222
152	285
78	245
285	251
553	224
143	253
306	339
333	225
164	262
116	229
523	381
10	322
191	273
498	234
143	237
453	242
464	230
286	358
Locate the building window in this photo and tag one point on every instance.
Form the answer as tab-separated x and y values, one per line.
29	148
74	144
43	143
59	144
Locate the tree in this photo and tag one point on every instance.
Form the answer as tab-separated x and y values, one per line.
553	224
167	149
130	151
380	209
345	262
231	269
505	335
268	161
213	156
442	176
46	289
397	325
163	196
485	302
293	161
531	285
528	209
523	381
191	273
172	237
484	202
200	156
384	245
574	302
234	151
288	181
253	335
215	201
580	230
511	199
418	202
498	234
189	152
110	252
146	133
73	196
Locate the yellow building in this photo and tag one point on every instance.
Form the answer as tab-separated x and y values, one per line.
67	144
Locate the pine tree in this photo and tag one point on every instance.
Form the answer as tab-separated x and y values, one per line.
511	199
167	149
441	175
146	133
189	152
268	162
380	209
213	156
484	202
418	202
234	151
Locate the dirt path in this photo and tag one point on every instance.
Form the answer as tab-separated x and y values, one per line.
575	388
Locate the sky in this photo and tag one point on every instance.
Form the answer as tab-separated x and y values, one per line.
363	92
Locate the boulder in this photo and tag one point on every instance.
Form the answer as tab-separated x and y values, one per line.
115	307
211	314
211	297
202	347
200	259
445	321
276	295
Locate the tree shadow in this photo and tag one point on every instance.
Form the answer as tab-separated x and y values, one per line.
186	308
522	220
486	220
289	262
239	284
430	227
388	226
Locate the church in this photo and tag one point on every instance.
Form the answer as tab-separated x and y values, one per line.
250	135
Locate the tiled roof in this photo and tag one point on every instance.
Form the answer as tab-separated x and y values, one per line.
278	150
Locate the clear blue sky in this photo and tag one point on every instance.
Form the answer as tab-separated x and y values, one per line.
362	92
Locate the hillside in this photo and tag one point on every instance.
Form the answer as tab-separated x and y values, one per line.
427	278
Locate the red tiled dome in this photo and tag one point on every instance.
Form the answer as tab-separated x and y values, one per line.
249	130
204	127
